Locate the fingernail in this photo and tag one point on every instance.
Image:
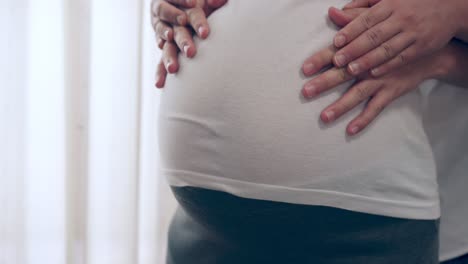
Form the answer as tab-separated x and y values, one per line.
330	116
189	2
158	81
340	40
166	34
355	68
168	65
305	94
186	47
340	60
354	130
202	30
310	90
309	68
181	20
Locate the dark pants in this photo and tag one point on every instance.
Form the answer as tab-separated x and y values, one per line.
460	260
214	227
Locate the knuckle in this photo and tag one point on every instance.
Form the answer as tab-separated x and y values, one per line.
338	107
182	43
195	15
366	119
387	50
367	21
401	58
190	12
377	109
154	24
362	93
157	7
342	75
159	27
373	36
343	106
322	58
327	80
183	36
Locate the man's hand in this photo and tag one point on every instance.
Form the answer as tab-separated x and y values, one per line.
393	33
378	92
175	22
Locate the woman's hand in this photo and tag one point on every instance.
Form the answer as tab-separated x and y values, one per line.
393	33
175	22
377	92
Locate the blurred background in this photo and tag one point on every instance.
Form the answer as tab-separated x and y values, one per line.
79	158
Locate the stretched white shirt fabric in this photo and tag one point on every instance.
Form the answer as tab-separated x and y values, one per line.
233	119
446	122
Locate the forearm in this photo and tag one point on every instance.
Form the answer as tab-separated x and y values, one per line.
451	64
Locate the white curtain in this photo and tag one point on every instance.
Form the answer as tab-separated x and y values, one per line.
79	173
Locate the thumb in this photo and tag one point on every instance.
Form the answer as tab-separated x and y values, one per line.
342	17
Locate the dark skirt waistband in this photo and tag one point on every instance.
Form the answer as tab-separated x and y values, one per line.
217	227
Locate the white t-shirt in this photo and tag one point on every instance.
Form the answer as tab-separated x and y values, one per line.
446	122
233	119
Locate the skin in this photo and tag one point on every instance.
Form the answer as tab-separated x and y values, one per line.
393	33
175	22
448	64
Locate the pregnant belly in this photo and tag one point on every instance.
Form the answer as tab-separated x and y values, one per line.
235	111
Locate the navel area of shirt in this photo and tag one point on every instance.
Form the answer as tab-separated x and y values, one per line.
233	119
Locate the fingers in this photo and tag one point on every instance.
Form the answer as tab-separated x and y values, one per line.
318	61
161	74
366	21
343	17
403	58
166	12
163	30
183	39
170	57
357	94
375	106
160	42
361	3
383	53
183	3
197	19
326	81
371	39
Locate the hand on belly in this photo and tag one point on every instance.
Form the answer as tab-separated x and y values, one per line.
376	92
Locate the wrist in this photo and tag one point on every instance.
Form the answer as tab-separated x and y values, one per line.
436	65
444	63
